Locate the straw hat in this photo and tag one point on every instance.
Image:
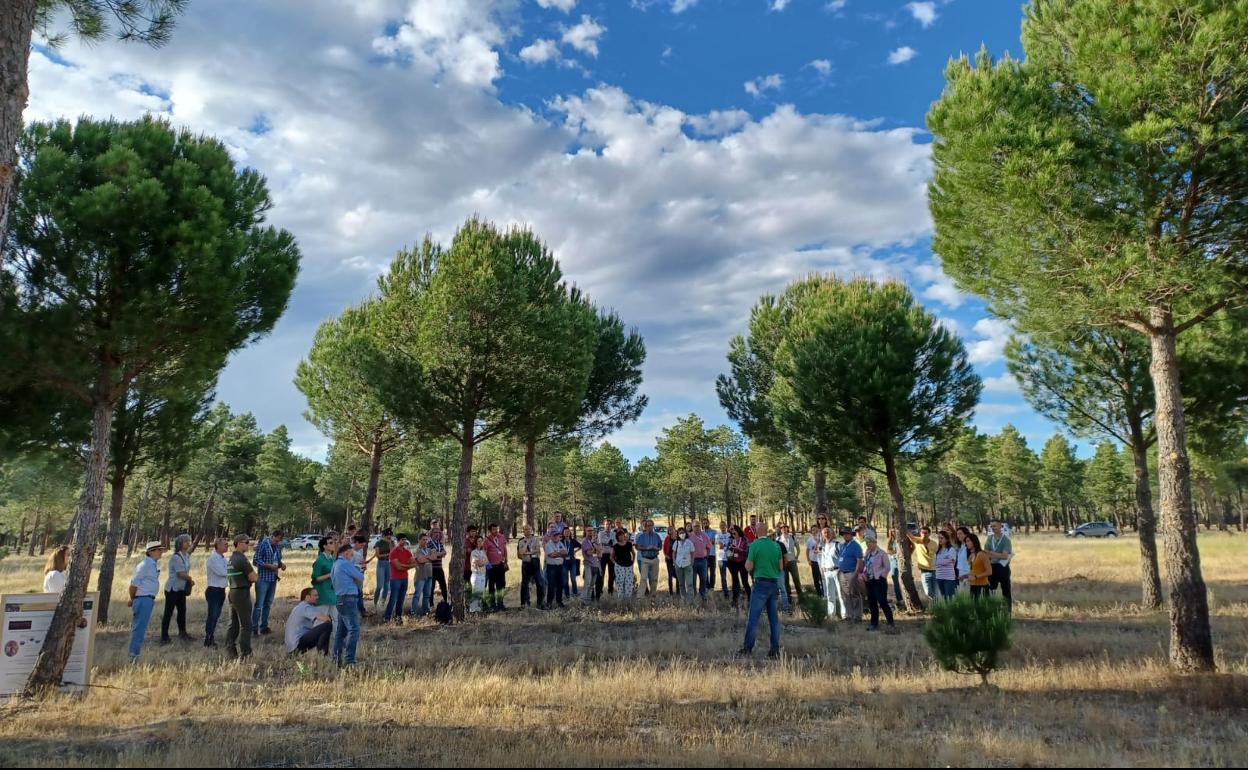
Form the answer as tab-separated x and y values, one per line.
153	545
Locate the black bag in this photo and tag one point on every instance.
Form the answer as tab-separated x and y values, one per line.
442	613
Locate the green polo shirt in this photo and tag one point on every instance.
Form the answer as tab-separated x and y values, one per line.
765	553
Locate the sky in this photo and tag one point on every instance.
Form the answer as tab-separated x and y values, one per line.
680	157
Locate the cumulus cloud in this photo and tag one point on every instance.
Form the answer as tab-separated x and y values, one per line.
563	5
758	86
923	12
455	37
584	36
1003	385
822	66
540	52
991	348
902	55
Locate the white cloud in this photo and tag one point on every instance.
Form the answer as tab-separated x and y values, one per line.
822	66
779	5
902	55
923	12
1004	385
584	36
563	5
758	86
991	348
540	52
835	5
455	37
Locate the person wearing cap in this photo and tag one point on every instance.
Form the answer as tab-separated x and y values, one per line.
348	582
143	589
177	588
874	576
217	568
268	563
241	576
849	565
765	562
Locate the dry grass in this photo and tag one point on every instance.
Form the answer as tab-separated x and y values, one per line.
1086	685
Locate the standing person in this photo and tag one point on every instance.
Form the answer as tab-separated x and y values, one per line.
571	565
268	563
924	559
322	576
606	540
814	550
348	581
439	550
829	561
401	563
470	545
555	552
592	552
529	552
241	576
423	592
848	568
723	539
867	529
309	626
964	560
703	553
876	568
893	569
981	567
479	563
54	570
711	536
217	569
751	532
791	560
946	564
765	562
495	547
624	554
682	558
1000	550
649	546
738	554
381	555
558	525
673	584
143	588
360	558
177	588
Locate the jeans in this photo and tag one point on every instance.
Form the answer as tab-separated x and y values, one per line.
571	569
701	573
649	576
394	606
897	585
531	572
238	639
174	601
593	583
348	634
316	638
1001	579
684	581
264	602
929	583
723	578
740	581
877	598
554	584
765	597
947	588
142	612
671	579
216	600
816	578
422	593
382	591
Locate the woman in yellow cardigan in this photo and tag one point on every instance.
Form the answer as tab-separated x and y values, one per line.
981	567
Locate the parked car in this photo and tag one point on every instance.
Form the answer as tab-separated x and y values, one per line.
306	542
1094	529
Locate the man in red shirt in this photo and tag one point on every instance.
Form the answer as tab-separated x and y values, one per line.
751	532
496	571
401	560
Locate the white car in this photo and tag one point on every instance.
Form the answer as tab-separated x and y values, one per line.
306	542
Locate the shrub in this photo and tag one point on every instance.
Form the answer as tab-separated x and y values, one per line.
814	608
968	636
4	551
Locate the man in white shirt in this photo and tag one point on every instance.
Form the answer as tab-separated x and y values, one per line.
723	539
218	583
555	553
790	561
143	589
308	627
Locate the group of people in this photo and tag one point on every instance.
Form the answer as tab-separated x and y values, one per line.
849	569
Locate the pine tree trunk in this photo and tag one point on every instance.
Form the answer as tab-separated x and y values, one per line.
108	561
1145	520
17	24
821	491
166	524
530	483
905	549
34	531
374	480
459	521
1191	640
50	665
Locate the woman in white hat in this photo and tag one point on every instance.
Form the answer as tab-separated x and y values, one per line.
143	588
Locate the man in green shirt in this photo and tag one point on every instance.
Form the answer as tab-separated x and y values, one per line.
241	576
765	563
322	581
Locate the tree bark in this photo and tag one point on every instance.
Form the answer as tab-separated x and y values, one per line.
50	665
459	521
34	531
16	29
374	479
108	561
821	490
1145	520
905	549
530	483
1191	640
165	524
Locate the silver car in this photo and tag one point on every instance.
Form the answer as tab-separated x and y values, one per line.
1094	529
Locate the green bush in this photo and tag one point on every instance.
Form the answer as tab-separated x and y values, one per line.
4	551
814	608
968	636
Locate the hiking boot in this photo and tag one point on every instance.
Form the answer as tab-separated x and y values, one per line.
773	655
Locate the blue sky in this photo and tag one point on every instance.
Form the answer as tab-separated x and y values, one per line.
680	156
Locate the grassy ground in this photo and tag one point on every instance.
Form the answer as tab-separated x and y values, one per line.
654	685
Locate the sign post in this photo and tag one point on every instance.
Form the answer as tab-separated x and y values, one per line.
23	624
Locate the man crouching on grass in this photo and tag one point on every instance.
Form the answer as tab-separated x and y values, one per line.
764	562
309	627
